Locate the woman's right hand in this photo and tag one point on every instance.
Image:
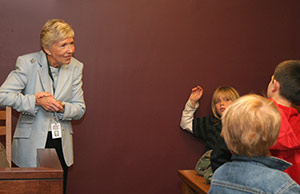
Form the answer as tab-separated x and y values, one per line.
48	102
42	94
196	94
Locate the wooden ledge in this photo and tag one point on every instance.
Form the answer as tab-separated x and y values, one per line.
47	178
192	182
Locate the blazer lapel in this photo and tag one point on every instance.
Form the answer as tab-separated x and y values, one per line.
63	77
43	72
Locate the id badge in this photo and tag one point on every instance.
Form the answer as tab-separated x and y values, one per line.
56	130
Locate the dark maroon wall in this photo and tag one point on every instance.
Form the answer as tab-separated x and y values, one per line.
141	59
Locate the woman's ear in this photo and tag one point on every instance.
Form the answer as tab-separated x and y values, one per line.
47	51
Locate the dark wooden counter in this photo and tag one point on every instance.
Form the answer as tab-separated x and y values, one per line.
45	179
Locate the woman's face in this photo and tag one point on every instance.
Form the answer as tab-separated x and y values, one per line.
221	104
61	52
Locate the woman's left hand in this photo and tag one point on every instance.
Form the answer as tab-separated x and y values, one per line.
49	103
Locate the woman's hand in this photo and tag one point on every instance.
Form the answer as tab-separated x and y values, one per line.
62	105
42	94
196	94
49	103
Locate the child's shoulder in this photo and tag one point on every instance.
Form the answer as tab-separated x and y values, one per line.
297	107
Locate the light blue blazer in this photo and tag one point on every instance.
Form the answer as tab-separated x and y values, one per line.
18	91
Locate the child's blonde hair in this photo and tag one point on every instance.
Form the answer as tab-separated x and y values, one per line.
226	92
251	125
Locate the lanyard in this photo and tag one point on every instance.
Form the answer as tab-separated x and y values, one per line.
51	76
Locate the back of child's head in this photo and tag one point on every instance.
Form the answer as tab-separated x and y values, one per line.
287	74
251	125
223	91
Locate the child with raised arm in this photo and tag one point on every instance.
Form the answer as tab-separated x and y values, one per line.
207	128
251	125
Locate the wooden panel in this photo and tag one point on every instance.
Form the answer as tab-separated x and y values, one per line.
186	189
2	130
31	186
29	173
8	134
2	115
45	179
6	130
48	158
192	182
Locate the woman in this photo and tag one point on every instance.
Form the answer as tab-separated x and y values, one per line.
46	88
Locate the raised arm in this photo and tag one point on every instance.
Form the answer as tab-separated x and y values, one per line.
195	95
191	106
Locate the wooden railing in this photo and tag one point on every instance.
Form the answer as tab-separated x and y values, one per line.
45	179
192	183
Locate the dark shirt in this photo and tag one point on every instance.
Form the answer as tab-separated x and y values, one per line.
220	154
207	128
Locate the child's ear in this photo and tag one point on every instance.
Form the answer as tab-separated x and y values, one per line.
276	86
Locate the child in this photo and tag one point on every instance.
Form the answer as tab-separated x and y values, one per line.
251	125
284	90
207	128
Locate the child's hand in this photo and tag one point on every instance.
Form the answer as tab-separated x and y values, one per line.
196	94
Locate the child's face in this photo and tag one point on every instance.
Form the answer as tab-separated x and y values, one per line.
221	104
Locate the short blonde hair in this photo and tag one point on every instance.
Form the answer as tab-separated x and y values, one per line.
226	92
251	125
55	30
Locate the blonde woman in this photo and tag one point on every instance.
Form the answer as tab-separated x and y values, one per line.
46	88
